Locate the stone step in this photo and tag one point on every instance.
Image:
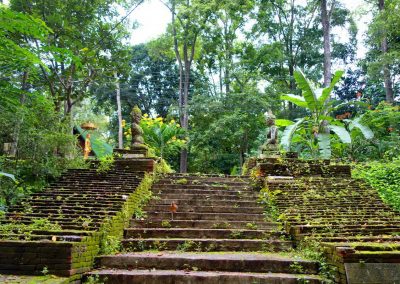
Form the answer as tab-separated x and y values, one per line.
196	244
234	262
193	202
207	191
326	232
207	216
204	176
210	224
64	206
206	183
230	196
354	207
345	223
206	209
199	233
358	238
329	216
218	186
187	276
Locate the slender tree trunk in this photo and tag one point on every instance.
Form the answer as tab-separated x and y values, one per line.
119	112
327	43
184	106
386	70
183	87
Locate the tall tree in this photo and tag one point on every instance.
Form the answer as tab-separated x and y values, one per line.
386	70
221	43
326	28
83	33
188	20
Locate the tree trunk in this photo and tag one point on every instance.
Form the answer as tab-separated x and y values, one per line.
184	118
327	43
119	112
386	70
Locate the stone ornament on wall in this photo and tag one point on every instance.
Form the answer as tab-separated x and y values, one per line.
270	147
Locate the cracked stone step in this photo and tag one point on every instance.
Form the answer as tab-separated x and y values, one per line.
185	276
228	261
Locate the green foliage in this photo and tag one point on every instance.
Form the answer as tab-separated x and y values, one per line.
181	181
163	137
226	129
384	123
317	125
384	177
2	174
111	245
162	167
105	163
42	143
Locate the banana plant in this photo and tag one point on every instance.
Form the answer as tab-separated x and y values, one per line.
318	123
8	175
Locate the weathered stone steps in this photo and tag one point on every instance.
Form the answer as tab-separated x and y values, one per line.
213	215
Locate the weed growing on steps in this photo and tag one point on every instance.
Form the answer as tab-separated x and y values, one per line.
95	279
267	198
17	231
236	235
165	224
251	226
189	246
106	163
311	248
111	245
181	181
224	225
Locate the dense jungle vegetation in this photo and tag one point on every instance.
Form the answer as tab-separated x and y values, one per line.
203	86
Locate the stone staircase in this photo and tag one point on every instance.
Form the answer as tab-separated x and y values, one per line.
219	234
359	233
80	200
58	230
334	210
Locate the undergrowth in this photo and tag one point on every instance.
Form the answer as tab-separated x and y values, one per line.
384	177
